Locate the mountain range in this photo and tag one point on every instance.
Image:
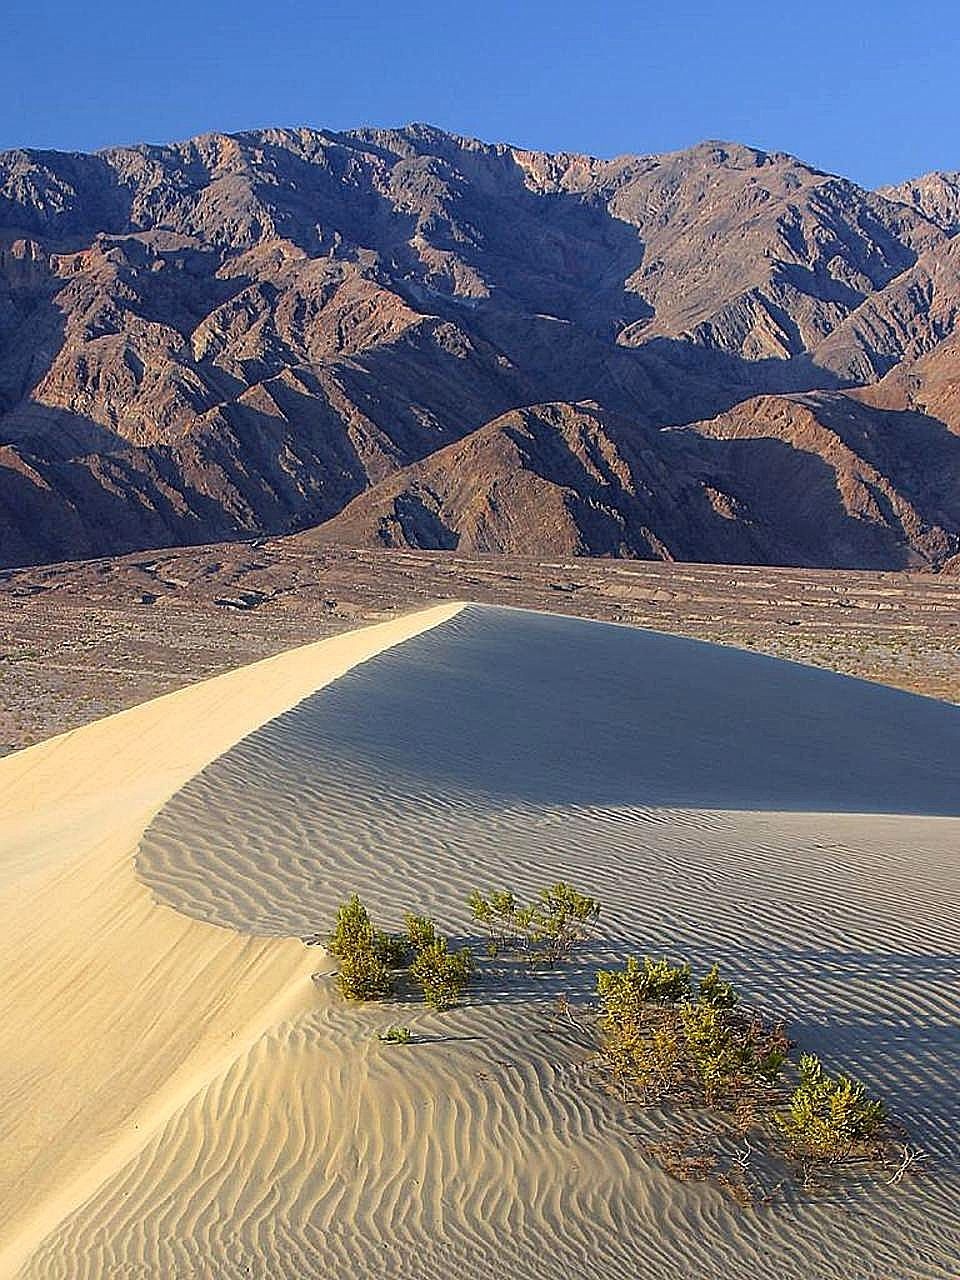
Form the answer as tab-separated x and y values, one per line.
408	338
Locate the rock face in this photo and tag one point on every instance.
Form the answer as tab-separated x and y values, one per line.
900	322
556	478
935	195
815	480
475	345
929	385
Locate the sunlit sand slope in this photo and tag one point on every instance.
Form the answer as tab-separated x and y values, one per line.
796	826
115	1010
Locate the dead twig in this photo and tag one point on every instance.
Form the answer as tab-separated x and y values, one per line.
910	1157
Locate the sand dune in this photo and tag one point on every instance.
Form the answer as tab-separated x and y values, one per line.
794	825
115	1010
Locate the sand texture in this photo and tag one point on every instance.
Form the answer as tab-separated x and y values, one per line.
797	826
115	1010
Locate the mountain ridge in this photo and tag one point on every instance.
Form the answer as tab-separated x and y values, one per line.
244	333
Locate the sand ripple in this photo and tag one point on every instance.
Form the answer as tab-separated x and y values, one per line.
508	748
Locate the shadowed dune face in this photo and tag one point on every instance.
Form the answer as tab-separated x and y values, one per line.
515	707
721	805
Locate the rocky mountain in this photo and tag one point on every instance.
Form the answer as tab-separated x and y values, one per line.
816	479
273	330
559	479
935	195
900	322
929	385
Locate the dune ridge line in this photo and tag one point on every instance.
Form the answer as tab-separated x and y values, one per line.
115	1008
510	748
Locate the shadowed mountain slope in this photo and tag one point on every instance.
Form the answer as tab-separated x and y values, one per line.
804	480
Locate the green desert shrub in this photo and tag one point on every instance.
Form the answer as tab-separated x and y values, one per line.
771	1052
352	929
657	1040
645	1054
831	1118
641	1041
660	1041
560	917
731	1055
392	948
420	931
443	975
549	927
623	992
715	992
363	975
370	959
711	1047
367	955
395	1035
497	916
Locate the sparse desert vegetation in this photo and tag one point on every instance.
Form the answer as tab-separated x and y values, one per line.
663	1041
363	975
372	961
82	640
832	1118
441	974
663	1038
368	956
395	1035
547	928
659	1040
848	933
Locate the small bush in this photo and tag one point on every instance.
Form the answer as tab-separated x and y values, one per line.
393	949
646	1057
559	919
642	1042
831	1118
658	1041
363	975
715	992
623	992
549	927
441	974
712	1048
355	937
395	1035
352	929
421	932
497	916
732	1056
366	954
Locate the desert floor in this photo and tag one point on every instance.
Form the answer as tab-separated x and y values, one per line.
81	640
185	1096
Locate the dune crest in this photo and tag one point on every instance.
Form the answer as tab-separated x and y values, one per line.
796	827
116	1009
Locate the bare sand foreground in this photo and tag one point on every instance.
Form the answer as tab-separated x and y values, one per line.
116	1010
180	1100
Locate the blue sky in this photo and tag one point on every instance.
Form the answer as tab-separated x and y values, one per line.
866	89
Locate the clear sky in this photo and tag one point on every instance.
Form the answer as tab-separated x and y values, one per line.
871	90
